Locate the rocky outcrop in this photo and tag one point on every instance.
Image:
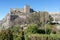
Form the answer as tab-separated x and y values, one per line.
17	17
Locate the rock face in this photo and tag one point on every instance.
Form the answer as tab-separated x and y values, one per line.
56	17
17	17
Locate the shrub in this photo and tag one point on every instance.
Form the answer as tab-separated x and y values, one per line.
48	28
43	37
31	28
13	33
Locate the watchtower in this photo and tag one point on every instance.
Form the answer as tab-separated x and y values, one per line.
26	9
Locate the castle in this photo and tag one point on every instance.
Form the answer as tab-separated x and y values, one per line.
26	9
13	14
19	16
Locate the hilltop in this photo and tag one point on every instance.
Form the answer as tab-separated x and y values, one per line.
22	16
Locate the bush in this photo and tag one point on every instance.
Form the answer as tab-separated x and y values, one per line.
48	28
13	33
43	37
6	35
17	32
31	28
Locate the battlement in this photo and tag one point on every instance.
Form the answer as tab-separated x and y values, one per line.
26	9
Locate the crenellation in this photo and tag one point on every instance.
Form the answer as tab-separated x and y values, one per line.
19	9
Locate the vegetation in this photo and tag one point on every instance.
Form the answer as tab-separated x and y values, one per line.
31	28
38	18
33	32
38	28
43	37
13	33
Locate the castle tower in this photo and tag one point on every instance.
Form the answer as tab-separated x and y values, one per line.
26	9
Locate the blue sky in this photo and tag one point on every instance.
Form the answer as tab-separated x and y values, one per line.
38	5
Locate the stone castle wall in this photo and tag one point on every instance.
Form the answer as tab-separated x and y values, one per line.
26	9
